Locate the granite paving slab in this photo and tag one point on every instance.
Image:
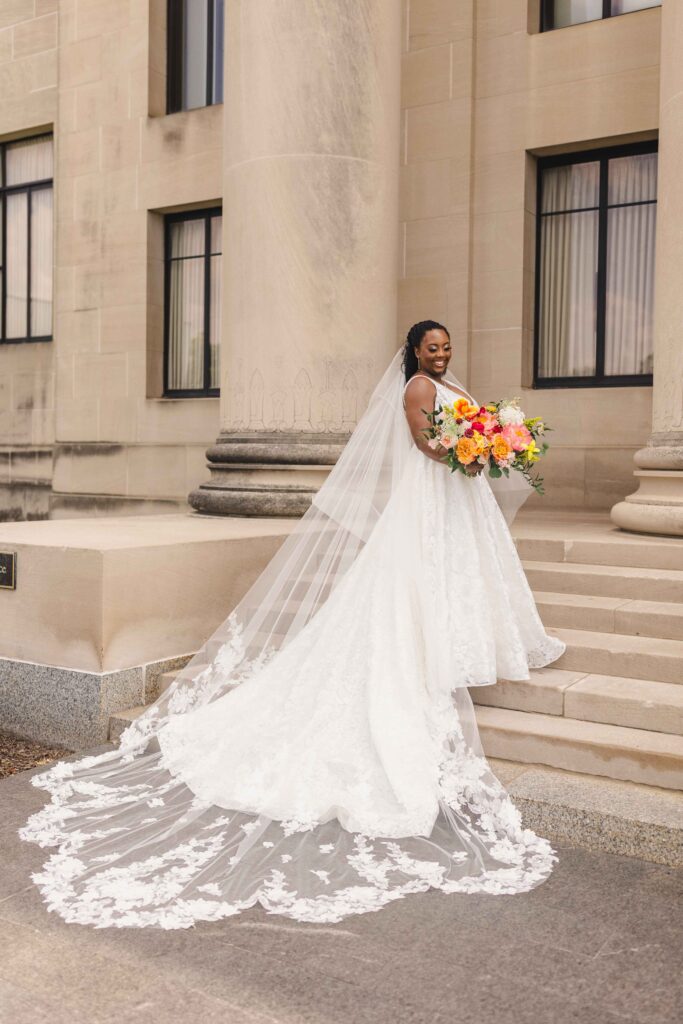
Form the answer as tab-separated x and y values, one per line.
598	943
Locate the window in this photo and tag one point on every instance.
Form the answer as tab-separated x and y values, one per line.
192	307
595	249
195	54
561	13
26	171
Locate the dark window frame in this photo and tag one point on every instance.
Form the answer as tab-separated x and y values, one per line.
603	155
548	14
29	187
171	218
174	56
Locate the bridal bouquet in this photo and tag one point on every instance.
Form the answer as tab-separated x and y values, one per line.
498	435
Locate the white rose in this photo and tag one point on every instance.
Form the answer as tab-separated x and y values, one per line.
510	414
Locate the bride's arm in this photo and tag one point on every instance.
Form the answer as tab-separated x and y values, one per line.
421	394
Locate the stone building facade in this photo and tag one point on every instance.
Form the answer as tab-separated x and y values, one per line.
352	168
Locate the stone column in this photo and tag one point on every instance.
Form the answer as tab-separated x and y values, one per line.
657	505
310	242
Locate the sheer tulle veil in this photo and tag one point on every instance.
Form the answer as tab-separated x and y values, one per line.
315	556
138	847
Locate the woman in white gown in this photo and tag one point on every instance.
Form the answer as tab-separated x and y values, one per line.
320	755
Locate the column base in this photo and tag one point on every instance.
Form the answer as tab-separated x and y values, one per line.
265	475
657	505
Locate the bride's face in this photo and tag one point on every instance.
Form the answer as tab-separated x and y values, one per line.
434	352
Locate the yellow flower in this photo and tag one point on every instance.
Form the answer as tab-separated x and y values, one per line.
481	442
532	452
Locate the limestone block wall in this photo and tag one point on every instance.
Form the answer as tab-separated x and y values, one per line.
592	84
483	94
122	163
84	428
436	168
28	104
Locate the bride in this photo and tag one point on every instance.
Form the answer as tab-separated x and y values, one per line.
319	755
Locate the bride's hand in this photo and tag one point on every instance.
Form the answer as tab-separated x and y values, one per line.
474	468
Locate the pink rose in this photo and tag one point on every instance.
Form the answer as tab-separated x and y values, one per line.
517	436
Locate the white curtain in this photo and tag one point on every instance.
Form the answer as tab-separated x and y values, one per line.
186	304
630	265
568	267
218	29
16	270
195	45
29	161
568	270
41	262
573	12
626	6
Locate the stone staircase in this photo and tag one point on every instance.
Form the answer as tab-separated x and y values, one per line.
612	706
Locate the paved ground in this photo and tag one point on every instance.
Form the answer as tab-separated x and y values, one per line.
600	942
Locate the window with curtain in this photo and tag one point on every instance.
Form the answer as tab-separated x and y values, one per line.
561	13
195	54
192	304
26	170
595	253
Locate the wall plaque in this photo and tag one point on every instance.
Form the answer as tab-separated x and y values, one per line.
8	570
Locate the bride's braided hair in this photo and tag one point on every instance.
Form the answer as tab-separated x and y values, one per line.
413	339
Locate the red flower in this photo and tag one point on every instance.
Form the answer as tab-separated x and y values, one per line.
497	429
468	432
478	426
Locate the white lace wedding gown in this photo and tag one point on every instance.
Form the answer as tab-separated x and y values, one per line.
342	771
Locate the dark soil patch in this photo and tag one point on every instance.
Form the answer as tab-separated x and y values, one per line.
17	755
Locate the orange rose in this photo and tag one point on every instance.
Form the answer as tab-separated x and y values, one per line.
501	448
466	450
462	408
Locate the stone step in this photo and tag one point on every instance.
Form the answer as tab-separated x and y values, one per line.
625	818
618	654
606	580
611	614
165	681
612	700
633	755
608	549
635	703
543	692
121	720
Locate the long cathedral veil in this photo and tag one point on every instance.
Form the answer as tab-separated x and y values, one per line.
137	847
314	557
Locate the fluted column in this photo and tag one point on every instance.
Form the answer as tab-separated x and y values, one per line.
310	240
657	505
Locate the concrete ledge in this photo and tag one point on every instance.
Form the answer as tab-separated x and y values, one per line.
103	607
102	595
72	709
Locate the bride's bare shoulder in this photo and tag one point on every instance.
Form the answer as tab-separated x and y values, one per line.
418	393
419	386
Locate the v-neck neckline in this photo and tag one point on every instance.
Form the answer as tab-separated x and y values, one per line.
452	390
